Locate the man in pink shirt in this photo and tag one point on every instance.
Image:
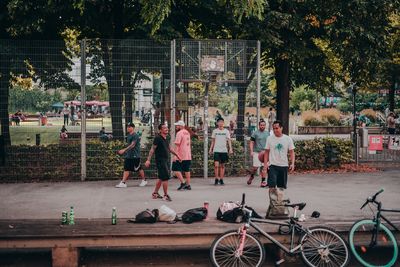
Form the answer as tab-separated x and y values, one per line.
183	149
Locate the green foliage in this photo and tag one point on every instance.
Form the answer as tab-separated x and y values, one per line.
302	98
31	100
305	105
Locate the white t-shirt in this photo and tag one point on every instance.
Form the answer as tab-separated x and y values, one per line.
221	137
278	149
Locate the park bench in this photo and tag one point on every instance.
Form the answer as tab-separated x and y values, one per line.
66	241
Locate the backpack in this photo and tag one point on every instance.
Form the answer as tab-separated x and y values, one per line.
231	212
166	214
146	216
277	209
194	215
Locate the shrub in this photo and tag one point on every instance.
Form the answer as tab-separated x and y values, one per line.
306	105
329	116
370	114
310	118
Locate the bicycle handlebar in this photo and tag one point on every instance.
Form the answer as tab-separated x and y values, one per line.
372	199
243	199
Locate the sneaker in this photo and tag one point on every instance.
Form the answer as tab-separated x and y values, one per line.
188	187
143	183
250	179
264	184
216	182
156	195
221	182
182	186
121	185
167	198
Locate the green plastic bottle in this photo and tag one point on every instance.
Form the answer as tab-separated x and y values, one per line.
114	216
71	220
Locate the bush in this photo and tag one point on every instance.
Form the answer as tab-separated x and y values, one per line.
306	105
370	114
329	116
310	118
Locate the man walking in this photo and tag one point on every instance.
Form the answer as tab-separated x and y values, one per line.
132	157
271	118
276	157
161	149
258	141
220	137
183	149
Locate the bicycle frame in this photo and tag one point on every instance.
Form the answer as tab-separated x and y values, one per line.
378	218
293	226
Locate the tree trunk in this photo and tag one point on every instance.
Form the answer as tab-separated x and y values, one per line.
392	90
4	95
283	92
241	110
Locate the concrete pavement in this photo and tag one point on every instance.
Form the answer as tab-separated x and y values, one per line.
336	196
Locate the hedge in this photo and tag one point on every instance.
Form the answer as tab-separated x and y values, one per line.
61	162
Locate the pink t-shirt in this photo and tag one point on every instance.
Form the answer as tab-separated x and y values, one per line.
183	143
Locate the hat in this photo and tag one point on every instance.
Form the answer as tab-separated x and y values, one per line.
179	123
130	125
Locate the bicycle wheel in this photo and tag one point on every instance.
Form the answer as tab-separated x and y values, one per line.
360	237
223	251
324	247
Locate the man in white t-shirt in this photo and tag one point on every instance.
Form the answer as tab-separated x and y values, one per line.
276	157
220	137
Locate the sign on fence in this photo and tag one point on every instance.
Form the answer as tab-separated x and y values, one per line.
375	143
394	142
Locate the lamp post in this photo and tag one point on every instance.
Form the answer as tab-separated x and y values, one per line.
355	146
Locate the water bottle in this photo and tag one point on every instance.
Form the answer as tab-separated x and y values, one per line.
71	216
114	216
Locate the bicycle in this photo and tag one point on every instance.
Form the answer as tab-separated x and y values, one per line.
368	237
318	245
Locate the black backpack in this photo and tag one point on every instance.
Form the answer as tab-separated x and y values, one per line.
235	215
146	216
194	215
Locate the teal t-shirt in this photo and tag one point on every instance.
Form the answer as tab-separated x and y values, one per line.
135	151
260	140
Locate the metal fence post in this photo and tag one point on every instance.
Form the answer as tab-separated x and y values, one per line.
205	148
83	110
258	81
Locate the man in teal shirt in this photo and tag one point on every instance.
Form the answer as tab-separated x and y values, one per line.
257	144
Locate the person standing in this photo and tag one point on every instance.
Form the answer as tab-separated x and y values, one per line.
132	157
183	149
161	149
276	157
391	123
66	115
271	118
220	137
258	141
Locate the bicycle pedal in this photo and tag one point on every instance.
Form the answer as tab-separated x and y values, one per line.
279	262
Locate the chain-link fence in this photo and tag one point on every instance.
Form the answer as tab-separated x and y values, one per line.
65	106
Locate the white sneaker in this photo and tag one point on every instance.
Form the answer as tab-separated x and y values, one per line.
121	185
143	183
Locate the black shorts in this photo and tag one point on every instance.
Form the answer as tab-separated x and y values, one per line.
183	166
277	176
163	170
132	165
221	157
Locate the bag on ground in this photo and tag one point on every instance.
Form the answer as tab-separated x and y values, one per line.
277	209
146	216
231	212
166	214
194	215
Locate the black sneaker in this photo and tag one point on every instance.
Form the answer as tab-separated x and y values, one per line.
182	186
221	182
216	182
187	187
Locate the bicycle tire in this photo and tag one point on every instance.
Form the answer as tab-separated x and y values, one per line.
222	251
336	254
360	248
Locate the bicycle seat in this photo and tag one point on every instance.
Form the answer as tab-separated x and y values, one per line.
299	206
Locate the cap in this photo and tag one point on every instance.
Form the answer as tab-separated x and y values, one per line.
179	123
130	124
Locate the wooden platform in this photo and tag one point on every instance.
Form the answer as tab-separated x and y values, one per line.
65	241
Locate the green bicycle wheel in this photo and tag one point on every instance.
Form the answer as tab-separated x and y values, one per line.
384	253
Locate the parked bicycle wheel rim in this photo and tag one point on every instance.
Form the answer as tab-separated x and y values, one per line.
359	238
224	248
324	247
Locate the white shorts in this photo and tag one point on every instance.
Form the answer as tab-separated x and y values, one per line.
256	162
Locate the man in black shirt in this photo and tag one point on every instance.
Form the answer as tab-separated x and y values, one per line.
161	149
